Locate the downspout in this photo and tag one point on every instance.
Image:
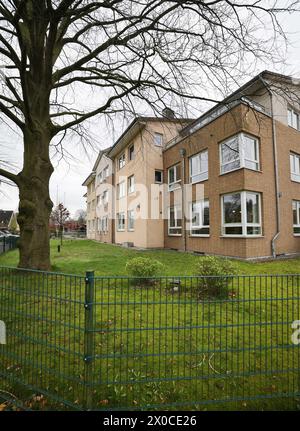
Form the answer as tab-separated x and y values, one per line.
274	137
183	221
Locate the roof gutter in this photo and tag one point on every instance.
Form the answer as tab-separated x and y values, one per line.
274	138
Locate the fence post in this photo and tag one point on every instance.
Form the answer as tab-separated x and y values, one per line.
89	337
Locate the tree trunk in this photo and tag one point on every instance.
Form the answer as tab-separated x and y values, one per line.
35	204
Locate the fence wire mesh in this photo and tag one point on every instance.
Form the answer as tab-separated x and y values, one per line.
112	343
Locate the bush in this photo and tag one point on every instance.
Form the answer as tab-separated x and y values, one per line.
218	271
144	268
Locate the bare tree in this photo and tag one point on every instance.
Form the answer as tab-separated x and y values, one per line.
80	216
59	216
130	51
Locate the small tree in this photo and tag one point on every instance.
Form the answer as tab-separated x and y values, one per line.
80	216
59	216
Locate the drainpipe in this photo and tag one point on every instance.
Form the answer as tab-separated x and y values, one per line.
183	221
275	237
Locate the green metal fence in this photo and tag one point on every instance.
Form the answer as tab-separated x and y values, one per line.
8	243
103	343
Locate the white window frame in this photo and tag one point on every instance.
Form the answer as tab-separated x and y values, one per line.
176	183
295	173
199	176
161	139
121	161
120	229
243	224
131	185
176	209
130	229
297	225
293	118
242	159
201	218
123	184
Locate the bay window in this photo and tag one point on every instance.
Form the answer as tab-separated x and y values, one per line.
240	151
296	217
241	214
200	218
174	221
199	167
174	177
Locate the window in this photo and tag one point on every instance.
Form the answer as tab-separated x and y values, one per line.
131	220
174	177
121	190
158	177
100	175
295	167
131	186
200	218
106	172
296	217
199	167
121	161
174	221
158	139
241	151
104	224
105	197
131	152
293	119
241	214
121	221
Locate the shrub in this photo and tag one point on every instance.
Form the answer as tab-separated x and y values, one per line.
144	268
218	272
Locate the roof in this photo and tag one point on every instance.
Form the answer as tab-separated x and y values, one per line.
135	126
89	179
92	175
258	80
5	217
101	153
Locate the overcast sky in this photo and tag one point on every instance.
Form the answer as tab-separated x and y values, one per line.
68	177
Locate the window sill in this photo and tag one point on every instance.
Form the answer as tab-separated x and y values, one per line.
239	169
296	234
120	230
174	234
197	182
175	188
295	181
242	236
199	236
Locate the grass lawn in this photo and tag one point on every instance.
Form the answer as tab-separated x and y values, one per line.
152	347
79	256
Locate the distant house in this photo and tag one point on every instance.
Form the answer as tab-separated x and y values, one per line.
8	220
